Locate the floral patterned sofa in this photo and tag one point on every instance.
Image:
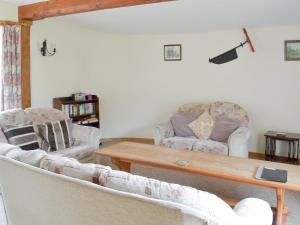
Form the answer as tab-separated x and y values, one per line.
236	145
94	194
85	139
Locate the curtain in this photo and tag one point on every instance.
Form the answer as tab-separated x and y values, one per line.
11	68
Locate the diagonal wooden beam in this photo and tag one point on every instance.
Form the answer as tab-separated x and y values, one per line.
54	8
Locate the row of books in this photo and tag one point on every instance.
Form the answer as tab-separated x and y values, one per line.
87	121
79	109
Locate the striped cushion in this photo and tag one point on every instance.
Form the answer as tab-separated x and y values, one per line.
56	135
21	135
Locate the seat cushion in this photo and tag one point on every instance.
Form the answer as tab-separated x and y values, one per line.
211	146
77	152
179	142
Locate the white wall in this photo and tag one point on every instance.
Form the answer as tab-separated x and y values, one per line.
8	11
138	89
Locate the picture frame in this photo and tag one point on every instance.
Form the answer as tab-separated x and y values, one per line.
173	52
292	50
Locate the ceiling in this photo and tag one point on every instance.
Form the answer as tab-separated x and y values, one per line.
188	16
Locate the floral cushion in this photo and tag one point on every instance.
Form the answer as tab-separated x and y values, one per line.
213	209
210	146
179	142
13	117
230	110
202	126
45	115
73	168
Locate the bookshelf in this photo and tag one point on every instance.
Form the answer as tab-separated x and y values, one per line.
84	112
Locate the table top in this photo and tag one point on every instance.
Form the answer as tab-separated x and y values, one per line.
283	136
241	170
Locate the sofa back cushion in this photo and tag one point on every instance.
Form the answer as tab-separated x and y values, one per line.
44	115
219	109
73	168
202	126
13	117
212	208
231	111
223	128
22	135
180	122
56	134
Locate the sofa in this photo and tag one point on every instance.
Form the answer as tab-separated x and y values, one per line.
42	189
85	140
224	113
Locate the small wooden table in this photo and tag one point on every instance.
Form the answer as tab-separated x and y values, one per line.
223	167
292	138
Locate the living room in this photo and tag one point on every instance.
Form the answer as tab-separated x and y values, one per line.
118	55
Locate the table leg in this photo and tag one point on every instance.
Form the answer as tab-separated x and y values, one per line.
290	151
123	166
267	149
294	150
280	206
273	149
298	149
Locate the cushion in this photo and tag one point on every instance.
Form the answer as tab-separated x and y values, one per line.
212	208
202	126
179	142
22	135
73	168
180	122
211	146
223	128
56	134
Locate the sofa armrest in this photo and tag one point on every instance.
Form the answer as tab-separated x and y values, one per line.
238	142
161	131
85	135
254	211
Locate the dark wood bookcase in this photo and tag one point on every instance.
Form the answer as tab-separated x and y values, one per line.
84	112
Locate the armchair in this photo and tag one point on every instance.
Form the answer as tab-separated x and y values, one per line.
85	139
236	145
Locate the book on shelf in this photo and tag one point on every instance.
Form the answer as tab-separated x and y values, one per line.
79	109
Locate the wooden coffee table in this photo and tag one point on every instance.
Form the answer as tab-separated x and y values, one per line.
218	166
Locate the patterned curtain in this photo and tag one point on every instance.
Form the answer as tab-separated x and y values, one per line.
11	68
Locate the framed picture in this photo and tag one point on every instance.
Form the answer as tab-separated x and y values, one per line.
292	50
172	52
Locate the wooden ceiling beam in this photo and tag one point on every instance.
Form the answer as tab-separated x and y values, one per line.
52	8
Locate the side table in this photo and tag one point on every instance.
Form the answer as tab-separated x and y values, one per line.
293	140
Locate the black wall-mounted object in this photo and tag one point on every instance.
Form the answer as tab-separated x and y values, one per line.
232	54
44	50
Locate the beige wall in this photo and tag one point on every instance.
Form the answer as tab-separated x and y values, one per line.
138	89
8	11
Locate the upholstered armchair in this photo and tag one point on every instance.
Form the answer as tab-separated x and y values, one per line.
85	140
236	144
